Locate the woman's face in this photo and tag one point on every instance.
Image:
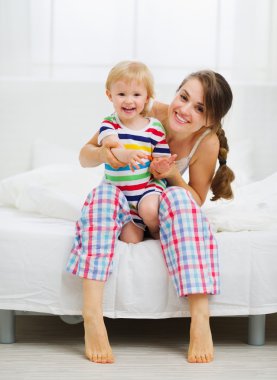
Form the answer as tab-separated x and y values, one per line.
186	113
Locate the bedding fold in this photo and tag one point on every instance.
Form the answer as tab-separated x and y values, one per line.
59	191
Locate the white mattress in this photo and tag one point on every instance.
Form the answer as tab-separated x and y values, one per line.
34	251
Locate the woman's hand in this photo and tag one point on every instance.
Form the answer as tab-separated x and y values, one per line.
164	167
106	156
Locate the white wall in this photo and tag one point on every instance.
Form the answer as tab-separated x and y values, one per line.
82	39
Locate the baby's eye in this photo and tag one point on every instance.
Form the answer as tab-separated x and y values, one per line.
137	94
121	94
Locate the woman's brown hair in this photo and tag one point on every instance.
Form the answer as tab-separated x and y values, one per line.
218	99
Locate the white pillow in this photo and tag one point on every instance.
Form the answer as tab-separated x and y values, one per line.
252	208
56	190
240	161
45	153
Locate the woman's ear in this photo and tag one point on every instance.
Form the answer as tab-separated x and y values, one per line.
109	95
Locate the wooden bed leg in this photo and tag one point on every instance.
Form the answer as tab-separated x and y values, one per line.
256	330
7	326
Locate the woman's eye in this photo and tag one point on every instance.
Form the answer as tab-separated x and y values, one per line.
200	109
184	97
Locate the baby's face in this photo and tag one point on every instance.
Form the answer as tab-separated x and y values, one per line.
128	98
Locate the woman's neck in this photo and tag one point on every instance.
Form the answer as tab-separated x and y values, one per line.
182	144
185	137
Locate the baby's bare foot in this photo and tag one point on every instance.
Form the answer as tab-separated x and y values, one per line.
97	346
201	343
155	233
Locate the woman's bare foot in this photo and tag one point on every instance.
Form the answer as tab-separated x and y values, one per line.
201	343
97	346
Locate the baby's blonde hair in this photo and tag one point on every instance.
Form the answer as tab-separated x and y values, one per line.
132	71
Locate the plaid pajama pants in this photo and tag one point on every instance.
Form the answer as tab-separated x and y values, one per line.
188	246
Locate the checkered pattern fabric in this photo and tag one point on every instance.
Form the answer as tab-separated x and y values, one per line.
188	246
103	215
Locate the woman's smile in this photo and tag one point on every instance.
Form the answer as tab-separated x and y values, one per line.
181	119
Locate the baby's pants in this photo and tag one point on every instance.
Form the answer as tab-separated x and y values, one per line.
188	246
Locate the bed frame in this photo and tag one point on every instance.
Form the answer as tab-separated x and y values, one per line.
256	327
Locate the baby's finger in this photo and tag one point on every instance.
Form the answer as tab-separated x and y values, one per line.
135	164
157	175
172	158
138	158
143	156
131	167
153	166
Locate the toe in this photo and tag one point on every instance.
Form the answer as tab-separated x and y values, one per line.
192	359
203	359
88	355
209	358
99	358
110	359
199	359
104	358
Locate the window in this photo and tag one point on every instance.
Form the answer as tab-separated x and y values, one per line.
82	39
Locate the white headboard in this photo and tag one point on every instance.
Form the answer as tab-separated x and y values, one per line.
68	113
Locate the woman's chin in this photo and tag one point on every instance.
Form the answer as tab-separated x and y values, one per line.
176	127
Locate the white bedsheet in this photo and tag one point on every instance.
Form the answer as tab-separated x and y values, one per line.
254	208
59	191
34	250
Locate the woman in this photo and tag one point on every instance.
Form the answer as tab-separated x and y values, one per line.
194	133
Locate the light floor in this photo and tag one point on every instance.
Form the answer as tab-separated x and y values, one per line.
47	348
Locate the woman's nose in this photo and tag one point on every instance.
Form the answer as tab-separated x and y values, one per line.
186	108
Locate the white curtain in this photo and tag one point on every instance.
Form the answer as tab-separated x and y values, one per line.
82	39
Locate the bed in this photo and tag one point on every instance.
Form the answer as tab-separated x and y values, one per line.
40	204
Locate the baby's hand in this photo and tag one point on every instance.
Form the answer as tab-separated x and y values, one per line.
136	157
163	164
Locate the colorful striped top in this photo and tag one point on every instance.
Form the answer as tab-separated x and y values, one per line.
150	139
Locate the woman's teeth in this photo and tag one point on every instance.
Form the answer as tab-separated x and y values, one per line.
182	120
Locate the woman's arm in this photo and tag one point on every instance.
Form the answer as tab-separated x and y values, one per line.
201	170
160	112
93	155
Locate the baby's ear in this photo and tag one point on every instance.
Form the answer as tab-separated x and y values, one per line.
109	95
